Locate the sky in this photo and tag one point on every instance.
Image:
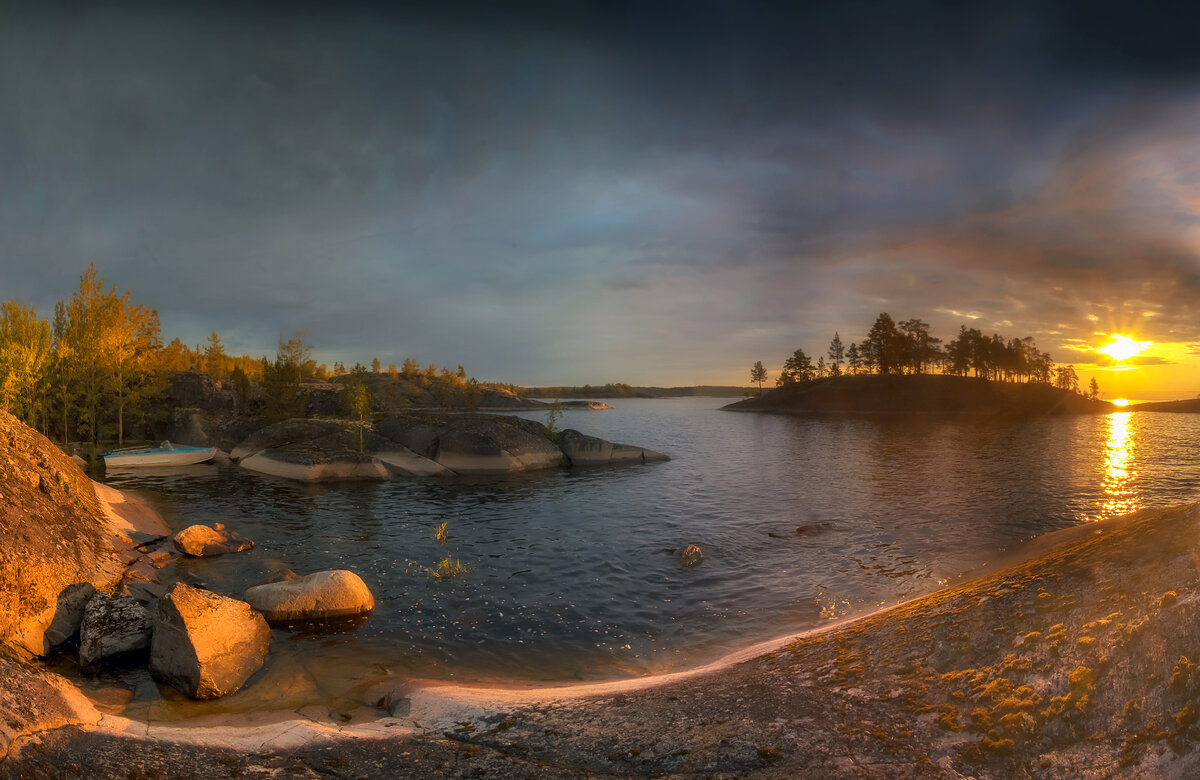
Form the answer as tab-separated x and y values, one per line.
658	193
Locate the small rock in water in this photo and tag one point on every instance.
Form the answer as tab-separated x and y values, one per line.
281	575
201	541
691	555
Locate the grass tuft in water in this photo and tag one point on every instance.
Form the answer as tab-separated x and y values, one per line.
449	568
440	534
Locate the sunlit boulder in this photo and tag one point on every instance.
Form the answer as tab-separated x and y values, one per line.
319	596
202	541
205	644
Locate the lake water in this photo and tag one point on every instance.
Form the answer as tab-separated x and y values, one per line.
575	574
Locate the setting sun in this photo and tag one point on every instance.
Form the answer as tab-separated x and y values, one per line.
1122	348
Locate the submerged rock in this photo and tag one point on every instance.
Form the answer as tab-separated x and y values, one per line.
201	541
281	575
320	596
205	644
113	625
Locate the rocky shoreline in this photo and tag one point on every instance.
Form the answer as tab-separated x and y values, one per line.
422	446
1074	663
1081	661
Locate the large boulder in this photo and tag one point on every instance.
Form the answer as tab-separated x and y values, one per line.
112	626
202	541
283	434
586	450
319	596
335	466
54	533
205	644
486	444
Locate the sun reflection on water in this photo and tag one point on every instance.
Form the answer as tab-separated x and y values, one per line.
1119	496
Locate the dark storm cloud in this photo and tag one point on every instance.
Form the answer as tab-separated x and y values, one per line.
512	186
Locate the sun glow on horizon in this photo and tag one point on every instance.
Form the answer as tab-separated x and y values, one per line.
1120	402
1121	348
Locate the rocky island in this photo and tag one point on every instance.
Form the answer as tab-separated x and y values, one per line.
920	394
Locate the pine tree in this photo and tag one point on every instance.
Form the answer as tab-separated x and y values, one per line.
758	375
214	358
837	355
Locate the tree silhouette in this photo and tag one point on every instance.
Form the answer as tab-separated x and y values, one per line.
1065	378
758	374
837	355
797	368
854	360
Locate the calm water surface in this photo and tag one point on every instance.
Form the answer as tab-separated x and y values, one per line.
576	574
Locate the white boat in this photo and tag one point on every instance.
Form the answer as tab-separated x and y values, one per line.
165	454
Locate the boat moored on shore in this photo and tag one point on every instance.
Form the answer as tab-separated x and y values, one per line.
165	454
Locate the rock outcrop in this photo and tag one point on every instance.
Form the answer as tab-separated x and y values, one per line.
202	541
422	445
319	596
490	444
34	700
205	644
590	451
55	533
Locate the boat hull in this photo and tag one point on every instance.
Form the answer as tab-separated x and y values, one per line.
177	457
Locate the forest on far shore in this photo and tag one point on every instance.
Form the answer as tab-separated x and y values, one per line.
98	370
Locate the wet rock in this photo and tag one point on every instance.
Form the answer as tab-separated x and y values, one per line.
146	593
691	555
69	613
200	541
320	596
586	450
206	645
112	625
158	558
